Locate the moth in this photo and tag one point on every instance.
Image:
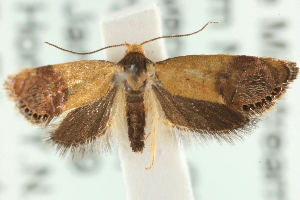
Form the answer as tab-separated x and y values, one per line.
194	96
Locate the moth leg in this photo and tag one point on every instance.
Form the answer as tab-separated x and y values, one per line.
152	146
147	136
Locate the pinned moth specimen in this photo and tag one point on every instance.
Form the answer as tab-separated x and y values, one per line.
195	96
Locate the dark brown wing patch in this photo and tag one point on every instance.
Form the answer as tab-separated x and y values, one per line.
198	115
81	127
253	84
40	93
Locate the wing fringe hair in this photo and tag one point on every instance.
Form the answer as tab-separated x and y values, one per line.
92	135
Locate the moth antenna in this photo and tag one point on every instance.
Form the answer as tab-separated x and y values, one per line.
118	45
179	35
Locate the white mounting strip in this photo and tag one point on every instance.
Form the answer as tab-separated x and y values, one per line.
169	178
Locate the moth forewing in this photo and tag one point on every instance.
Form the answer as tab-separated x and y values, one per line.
237	81
43	93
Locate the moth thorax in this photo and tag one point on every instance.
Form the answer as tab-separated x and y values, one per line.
134	67
135	82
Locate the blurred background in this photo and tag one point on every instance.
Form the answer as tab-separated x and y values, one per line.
265	166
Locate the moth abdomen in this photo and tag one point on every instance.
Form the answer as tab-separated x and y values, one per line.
136	119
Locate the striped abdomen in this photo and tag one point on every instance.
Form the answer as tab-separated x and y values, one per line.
135	113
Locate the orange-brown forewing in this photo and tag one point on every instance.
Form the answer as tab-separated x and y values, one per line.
45	92
220	94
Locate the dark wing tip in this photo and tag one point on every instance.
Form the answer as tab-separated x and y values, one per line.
293	71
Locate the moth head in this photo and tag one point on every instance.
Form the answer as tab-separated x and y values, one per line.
134	48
